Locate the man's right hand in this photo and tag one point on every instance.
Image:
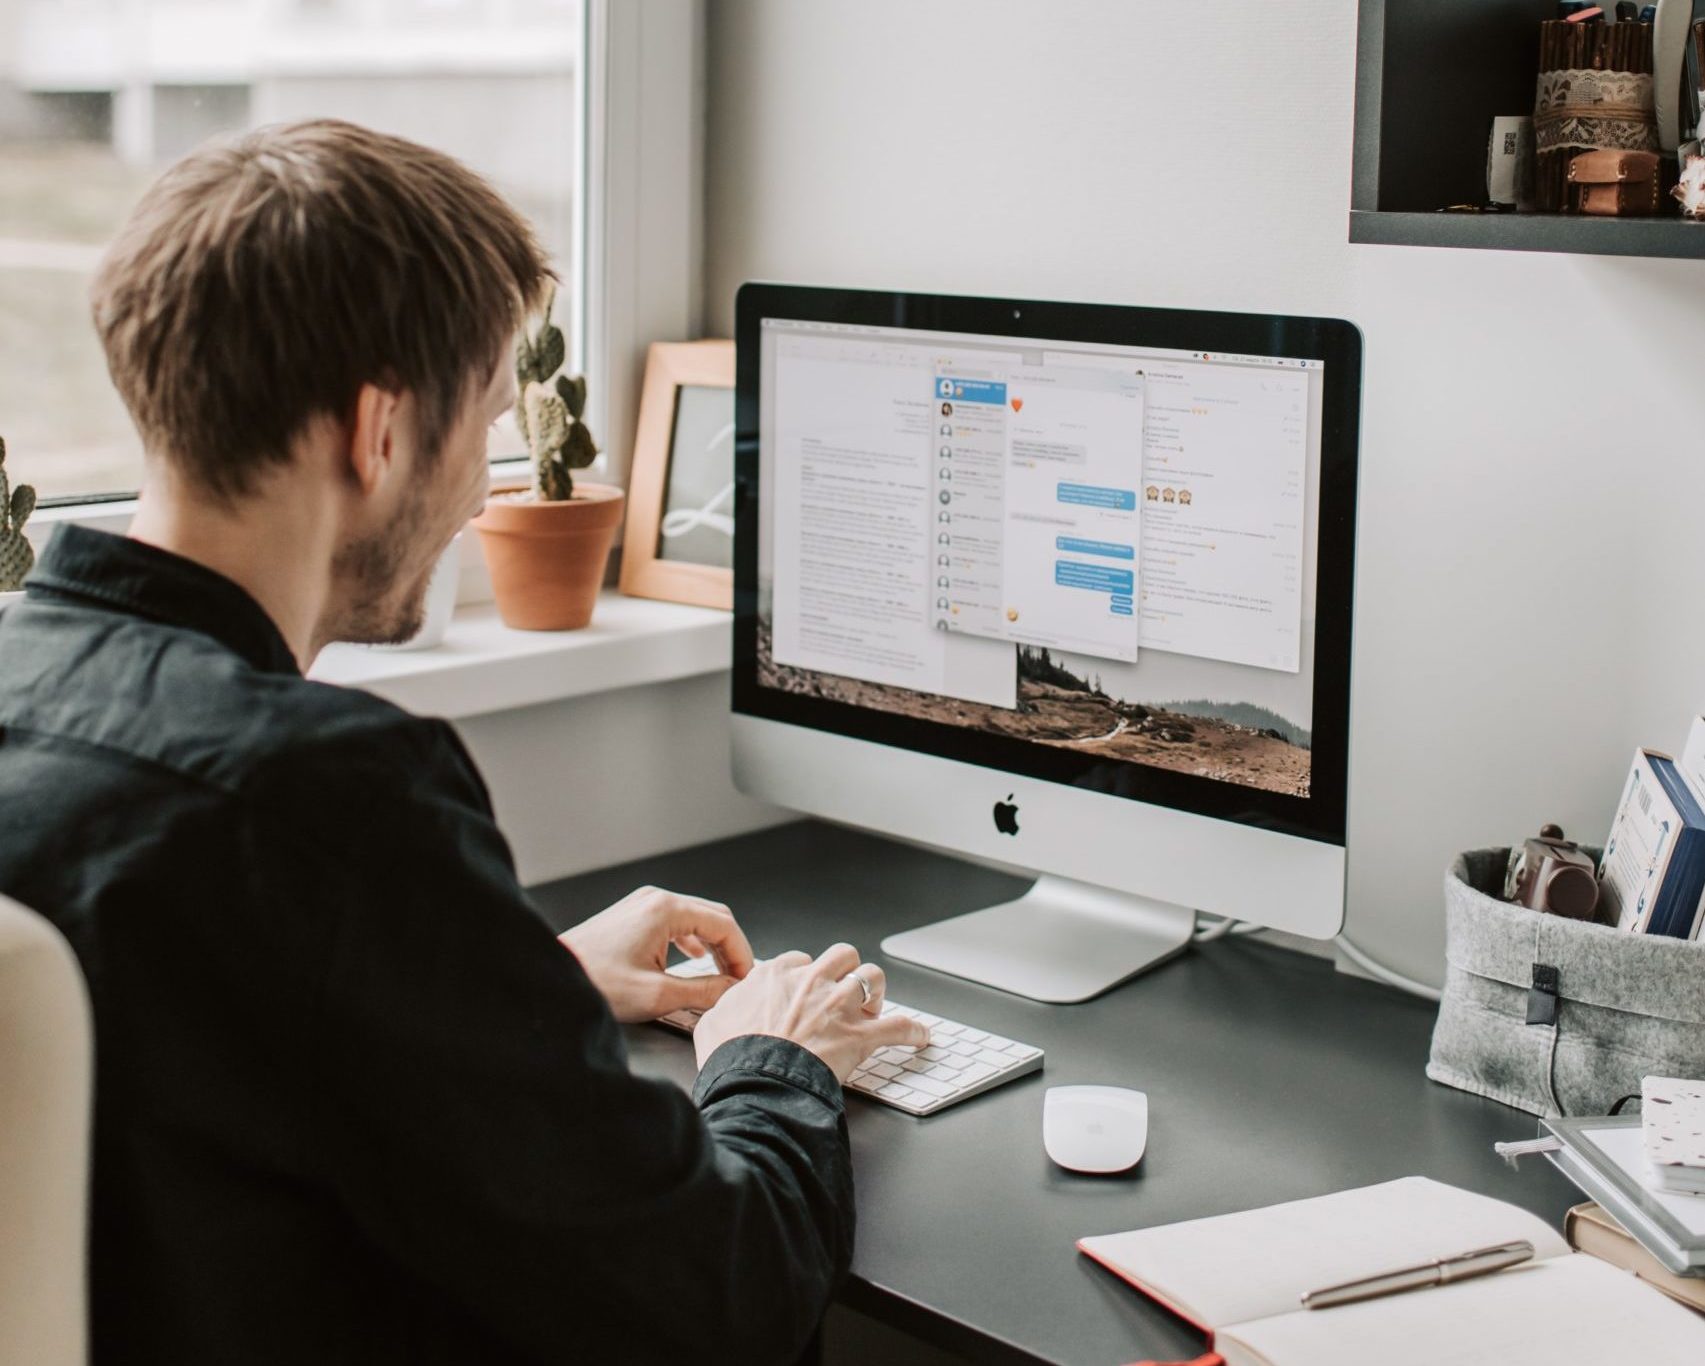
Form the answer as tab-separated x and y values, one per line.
818	1004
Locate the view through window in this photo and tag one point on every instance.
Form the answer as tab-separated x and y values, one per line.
97	96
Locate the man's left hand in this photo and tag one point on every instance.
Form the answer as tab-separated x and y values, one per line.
624	950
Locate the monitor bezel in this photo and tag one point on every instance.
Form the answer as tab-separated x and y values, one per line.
1321	815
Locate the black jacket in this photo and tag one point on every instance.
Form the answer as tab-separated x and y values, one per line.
354	1102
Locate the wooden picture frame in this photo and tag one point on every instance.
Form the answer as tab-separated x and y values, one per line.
672	370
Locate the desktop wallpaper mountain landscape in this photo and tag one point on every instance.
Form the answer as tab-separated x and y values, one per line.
1235	742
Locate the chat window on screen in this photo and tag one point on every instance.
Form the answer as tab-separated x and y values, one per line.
1037	476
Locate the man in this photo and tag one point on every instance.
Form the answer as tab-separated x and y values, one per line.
354	1102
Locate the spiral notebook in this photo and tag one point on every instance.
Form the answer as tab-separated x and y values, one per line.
1240	1279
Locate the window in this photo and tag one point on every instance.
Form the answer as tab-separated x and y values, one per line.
97	96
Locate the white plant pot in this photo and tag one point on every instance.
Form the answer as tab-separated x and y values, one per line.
440	601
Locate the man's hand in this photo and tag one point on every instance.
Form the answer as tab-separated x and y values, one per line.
625	948
819	1005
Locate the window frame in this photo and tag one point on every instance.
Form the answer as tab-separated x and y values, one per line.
636	257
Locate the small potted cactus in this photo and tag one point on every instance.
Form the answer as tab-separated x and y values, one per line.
547	545
17	557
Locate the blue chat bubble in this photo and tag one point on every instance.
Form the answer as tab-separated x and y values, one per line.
1121	609
1089	495
1122	598
1076	545
1096	578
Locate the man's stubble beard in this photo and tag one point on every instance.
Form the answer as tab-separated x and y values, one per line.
376	614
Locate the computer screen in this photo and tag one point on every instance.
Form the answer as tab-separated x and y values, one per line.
1089	552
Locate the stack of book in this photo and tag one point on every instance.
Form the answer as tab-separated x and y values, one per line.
1652	877
1615	1161
1589	1229
1638	1172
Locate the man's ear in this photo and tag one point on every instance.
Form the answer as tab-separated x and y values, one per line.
374	436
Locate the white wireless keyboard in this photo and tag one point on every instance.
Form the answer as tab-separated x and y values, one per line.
959	1063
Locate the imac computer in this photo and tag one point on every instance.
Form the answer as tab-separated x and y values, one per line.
1062	586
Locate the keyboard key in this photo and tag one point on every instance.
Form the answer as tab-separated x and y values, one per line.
931	1087
886	1070
977	1072
1024	1052
926	1017
945	1029
932	1053
995	1041
917	1065
994	1058
963	1048
947	1074
956	1060
972	1035
894	1091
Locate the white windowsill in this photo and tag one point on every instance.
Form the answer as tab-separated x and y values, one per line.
482	666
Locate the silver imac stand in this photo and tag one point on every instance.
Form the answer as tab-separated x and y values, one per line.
1061	942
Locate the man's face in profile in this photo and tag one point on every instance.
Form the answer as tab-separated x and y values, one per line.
388	573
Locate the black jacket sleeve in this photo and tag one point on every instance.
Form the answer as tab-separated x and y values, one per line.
475	1115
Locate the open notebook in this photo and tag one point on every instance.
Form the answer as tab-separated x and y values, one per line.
1240	1278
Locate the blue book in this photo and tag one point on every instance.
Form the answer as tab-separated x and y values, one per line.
1675	910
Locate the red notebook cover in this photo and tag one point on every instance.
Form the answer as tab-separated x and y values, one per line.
1209	1358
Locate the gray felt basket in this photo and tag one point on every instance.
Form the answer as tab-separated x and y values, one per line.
1625	1004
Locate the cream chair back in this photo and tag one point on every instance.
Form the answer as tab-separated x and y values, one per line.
46	1063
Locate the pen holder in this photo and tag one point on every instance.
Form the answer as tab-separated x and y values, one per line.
1594	92
1555	1016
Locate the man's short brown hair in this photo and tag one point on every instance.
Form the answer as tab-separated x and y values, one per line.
261	282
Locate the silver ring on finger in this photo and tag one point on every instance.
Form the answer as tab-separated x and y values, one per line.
863	985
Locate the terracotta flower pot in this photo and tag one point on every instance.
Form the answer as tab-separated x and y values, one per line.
547	559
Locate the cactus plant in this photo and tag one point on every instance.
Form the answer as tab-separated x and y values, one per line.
549	410
17	557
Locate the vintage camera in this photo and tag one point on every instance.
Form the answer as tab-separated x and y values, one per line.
1551	874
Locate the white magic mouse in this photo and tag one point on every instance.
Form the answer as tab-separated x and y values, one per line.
1095	1128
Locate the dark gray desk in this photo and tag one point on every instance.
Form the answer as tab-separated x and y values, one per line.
1270	1077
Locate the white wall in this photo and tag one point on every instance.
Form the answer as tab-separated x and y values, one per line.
613	776
1532	479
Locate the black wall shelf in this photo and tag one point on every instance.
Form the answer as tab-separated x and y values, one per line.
1531	232
1430	77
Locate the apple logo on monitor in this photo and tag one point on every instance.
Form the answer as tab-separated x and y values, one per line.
1006	816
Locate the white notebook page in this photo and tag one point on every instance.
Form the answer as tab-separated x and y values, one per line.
1573	1309
1236	1267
